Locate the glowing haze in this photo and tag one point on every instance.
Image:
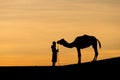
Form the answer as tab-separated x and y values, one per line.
28	27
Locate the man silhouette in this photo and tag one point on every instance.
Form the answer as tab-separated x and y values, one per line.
54	53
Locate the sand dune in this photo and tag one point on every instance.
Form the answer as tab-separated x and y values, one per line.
102	69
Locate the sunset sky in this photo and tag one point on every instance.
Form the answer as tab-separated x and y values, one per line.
28	27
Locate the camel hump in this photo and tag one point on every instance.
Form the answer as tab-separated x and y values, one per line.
85	36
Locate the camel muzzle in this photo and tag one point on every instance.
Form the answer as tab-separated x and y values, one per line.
58	42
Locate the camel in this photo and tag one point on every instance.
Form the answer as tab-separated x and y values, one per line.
82	42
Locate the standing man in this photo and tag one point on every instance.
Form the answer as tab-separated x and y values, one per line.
54	53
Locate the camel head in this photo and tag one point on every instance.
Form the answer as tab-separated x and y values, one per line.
61	41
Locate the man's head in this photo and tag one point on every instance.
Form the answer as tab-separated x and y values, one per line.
54	42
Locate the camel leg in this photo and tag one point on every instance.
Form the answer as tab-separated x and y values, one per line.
96	52
79	55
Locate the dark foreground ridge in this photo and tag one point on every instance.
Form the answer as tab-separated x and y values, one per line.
101	69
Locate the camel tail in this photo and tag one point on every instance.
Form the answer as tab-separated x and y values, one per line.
99	43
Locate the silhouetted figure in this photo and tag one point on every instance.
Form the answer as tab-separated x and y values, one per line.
54	53
82	42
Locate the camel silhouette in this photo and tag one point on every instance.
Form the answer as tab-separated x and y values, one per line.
81	42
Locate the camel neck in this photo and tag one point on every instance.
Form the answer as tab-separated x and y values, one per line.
69	45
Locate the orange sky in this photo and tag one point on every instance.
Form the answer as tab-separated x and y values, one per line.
28	27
